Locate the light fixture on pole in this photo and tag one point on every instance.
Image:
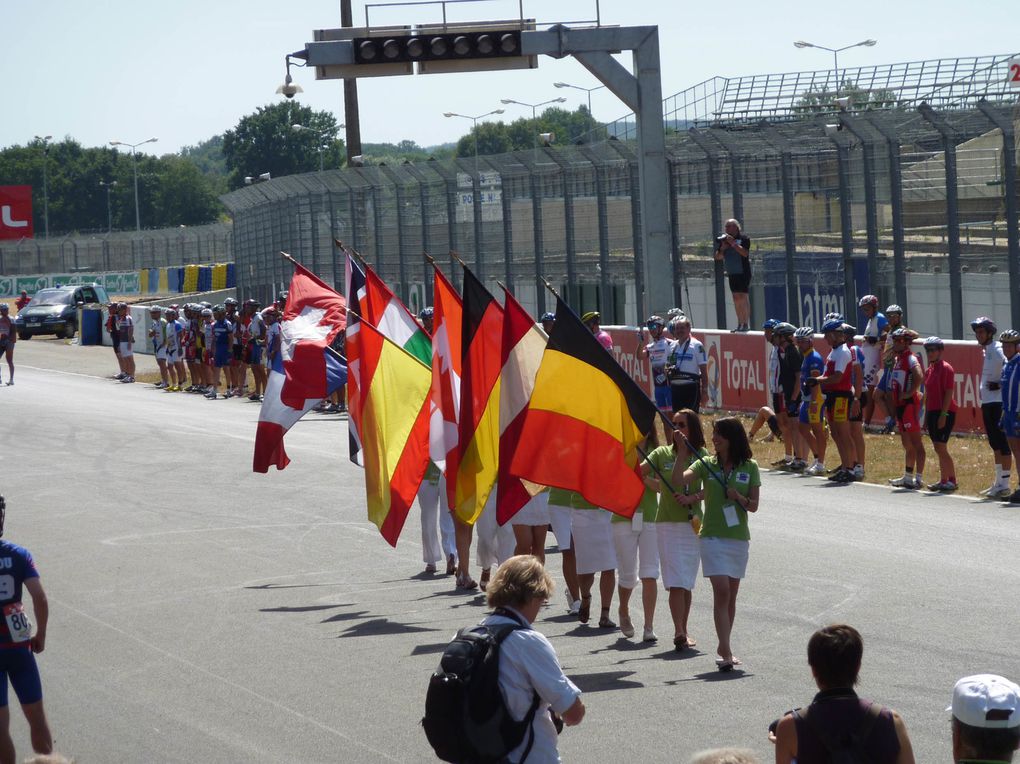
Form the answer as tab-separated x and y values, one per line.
869	43
474	126
321	134
45	182
109	214
589	91
534	113
134	167
250	180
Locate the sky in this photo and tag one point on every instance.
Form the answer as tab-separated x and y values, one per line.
185	70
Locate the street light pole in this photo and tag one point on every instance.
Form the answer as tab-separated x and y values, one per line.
534	115
869	43
45	182
474	127
109	213
134	167
589	91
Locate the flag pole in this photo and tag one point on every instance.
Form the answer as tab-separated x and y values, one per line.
350	250
690	512
550	287
690	446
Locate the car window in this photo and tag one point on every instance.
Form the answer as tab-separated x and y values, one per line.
51	297
88	294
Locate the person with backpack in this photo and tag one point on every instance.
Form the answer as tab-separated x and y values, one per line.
535	698
839	727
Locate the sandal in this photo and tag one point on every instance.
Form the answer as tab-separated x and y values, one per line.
584	612
604	621
451	565
430	568
626	626
484	580
727	665
464	581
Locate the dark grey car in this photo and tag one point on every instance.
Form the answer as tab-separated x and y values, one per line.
55	310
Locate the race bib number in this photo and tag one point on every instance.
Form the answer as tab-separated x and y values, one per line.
730	513
18	623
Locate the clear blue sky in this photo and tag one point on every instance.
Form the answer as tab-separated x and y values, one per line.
184	70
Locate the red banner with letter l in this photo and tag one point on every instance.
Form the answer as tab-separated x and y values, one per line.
16	212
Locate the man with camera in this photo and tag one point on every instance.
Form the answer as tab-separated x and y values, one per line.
734	249
686	366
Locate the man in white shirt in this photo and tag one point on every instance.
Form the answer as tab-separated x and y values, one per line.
991	404
686	366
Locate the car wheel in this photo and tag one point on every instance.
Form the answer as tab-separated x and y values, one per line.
67	333
24	336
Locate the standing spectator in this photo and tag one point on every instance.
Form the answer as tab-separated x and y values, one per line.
986	719
939	381
686	367
894	318
656	352
812	428
790	362
904	388
837	385
126	332
222	335
591	319
859	403
1011	397
256	347
777	411
528	665
22	301
811	735
874	334
734	249
157	337
731	481
113	329
7	339
991	404
174	356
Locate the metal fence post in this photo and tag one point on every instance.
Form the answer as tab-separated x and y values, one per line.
636	211
845	223
567	184
715	200
1005	124
506	202
952	215
870	201
789	219
602	211
896	203
674	235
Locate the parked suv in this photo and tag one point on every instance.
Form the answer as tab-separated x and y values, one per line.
55	310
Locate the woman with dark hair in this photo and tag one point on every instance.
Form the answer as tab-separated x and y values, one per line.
731	482
679	551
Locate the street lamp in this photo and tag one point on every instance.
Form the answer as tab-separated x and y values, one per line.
589	91
45	182
134	167
319	133
869	43
474	126
109	214
534	113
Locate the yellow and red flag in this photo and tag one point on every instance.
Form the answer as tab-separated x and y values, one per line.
447	321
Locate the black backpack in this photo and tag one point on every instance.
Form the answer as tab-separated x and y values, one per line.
851	748
466	719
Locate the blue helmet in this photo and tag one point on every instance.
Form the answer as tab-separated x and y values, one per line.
770	323
548	317
832	325
427	312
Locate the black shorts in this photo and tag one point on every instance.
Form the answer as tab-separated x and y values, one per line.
236	352
778	404
740	283
937	435
792	408
686	394
991	413
860	412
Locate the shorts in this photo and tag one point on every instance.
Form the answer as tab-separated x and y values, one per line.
663	396
724	557
837	406
172	355
778	404
908	417
4	342
160	354
115	341
190	353
686	394
18	665
1011	426
207	357
991	413
125	350
222	358
740	283
792	408
253	356
937	435
637	553
860	412
883	381
811	411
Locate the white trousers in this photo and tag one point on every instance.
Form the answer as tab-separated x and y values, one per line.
495	543
434	512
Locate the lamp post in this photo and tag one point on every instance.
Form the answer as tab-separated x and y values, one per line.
869	43
109	214
45	182
474	126
134	167
534	113
589	91
320	133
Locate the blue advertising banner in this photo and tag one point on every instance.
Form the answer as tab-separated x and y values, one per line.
819	285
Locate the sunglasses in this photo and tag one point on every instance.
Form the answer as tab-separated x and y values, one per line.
680	425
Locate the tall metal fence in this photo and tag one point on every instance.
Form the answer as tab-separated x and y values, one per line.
119	251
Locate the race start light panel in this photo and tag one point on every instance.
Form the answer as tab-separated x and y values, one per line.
433	49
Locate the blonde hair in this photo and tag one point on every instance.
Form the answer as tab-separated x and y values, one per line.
517	581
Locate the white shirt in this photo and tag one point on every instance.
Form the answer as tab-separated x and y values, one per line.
774	365
991	371
657	352
688	356
528	664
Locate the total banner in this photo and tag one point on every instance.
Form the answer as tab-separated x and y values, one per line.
738	370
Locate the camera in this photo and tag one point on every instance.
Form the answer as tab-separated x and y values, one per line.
721	238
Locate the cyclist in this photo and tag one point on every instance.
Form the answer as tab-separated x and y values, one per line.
991	404
859	402
874	335
656	352
939	381
837	384
1010	383
904	386
894	317
811	424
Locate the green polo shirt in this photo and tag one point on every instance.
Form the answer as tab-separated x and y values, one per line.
559	497
743	477
669	510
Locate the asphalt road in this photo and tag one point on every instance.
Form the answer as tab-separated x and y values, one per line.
200	612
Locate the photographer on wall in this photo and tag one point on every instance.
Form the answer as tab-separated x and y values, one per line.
734	249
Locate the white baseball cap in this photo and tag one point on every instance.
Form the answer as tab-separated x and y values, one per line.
987	701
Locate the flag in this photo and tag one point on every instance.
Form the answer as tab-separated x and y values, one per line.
276	417
394	389
473	470
522	346
446	367
354	280
388	314
314	315
584	422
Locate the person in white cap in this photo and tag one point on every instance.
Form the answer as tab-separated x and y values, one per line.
986	719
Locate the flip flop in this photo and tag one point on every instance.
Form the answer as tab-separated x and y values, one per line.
451	565
724	665
584	612
464	581
605	622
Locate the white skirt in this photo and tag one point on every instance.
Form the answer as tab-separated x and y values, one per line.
593	540
535	512
636	551
679	555
724	557
560	520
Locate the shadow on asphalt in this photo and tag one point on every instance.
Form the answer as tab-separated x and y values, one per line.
302	608
713	676
381	627
604	681
345	616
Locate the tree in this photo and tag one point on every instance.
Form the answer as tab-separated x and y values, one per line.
566	126
266	141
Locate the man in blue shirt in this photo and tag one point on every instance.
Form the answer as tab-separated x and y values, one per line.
223	340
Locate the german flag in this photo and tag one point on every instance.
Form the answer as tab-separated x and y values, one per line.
584	422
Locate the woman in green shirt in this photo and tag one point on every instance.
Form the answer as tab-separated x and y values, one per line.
679	550
731	482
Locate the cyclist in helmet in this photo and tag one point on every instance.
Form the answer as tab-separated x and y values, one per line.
426	315
903	390
860	400
811	426
255	342
1010	384
656	352
777	409
157	338
894	317
875	327
837	384
126	331
7	339
221	340
991	404
592	319
790	361
548	319
940	408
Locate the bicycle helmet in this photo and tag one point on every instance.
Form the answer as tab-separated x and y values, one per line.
903	333
206	311
832	325
230	301
653	321
426	313
894	308
1011	336
834	317
849	331
673	312
984	322
868	299
4	306
784	329
547	316
590	316
933	342
804	333
155	309
770	323
218	309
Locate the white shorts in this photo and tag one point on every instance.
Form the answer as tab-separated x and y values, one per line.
535	512
125	350
679	555
724	557
593	540
559	519
636	551
172	356
161	354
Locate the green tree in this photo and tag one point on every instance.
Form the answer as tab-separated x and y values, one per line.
566	126
266	141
